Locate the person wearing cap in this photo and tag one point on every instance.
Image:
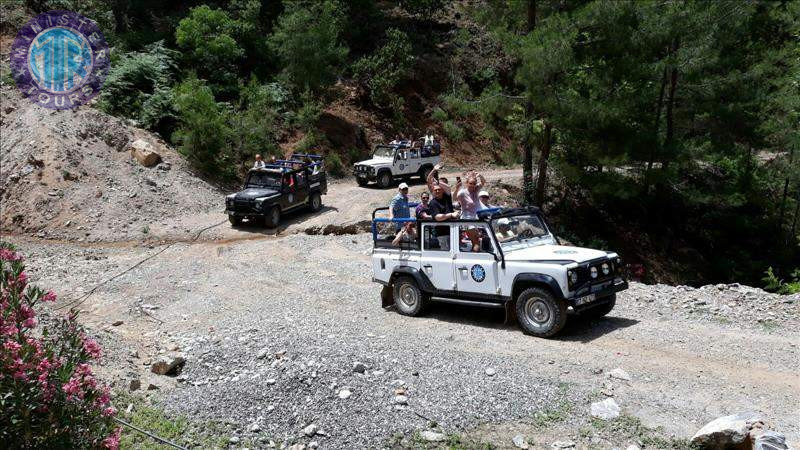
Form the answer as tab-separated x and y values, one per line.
504	232
483	199
398	207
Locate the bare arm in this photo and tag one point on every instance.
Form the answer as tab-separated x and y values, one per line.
481	181
430	180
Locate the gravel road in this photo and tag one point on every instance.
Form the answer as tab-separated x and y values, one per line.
235	306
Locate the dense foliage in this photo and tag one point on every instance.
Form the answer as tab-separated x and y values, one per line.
50	397
673	124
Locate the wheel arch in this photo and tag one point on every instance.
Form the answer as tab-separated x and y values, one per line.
526	280
422	280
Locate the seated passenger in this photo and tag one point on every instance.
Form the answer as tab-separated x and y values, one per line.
423	210
483	198
259	164
406	234
504	232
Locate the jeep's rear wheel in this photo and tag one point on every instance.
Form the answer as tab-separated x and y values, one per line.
539	313
315	202
362	181
598	311
408	298
273	217
384	180
234	220
425	172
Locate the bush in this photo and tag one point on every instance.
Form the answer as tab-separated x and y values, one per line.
138	86
381	71
203	133
306	39
50	397
334	165
453	131
774	284
254	124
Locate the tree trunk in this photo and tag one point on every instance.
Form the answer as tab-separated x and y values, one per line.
668	141
531	15
796	213
527	142
544	154
656	126
785	192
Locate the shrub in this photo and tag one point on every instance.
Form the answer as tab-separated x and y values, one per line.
50	397
438	114
306	39
774	284
334	165
453	131
254	124
381	71
138	86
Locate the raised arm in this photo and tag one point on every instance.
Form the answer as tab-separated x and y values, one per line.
430	179
481	181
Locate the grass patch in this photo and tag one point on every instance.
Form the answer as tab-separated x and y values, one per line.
769	326
176	429
631	428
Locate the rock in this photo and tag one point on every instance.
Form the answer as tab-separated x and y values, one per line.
432	436
401	399
633	447
310	430
164	166
271	381
135	384
606	409
144	153
168	364
490	372
519	441
619	374
152	387
768	440
562	444
297	447
255	428
117	323
262	354
345	394
313	444
359	367
233	440
726	431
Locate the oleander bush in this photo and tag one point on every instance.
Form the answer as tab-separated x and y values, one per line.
49	396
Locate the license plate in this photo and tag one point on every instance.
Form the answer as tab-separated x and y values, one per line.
584	300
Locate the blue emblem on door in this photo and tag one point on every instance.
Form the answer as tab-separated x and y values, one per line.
478	273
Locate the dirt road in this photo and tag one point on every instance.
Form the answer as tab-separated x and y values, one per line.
237	293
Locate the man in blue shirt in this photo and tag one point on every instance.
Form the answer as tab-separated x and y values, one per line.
398	207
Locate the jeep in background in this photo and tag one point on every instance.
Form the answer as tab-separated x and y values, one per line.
519	266
278	188
390	162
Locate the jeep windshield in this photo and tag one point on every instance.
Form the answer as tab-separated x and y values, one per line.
383	151
521	230
263	179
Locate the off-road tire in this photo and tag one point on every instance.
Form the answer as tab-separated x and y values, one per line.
409	300
384	179
315	202
424	172
599	311
362	181
387	297
539	313
235	220
273	217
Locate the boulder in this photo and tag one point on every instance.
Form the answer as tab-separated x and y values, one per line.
170	364
432	436
606	410
727	432
144	153
768	440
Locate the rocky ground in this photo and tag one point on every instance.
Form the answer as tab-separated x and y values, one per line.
281	333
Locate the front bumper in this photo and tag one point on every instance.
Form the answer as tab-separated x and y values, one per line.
589	295
365	176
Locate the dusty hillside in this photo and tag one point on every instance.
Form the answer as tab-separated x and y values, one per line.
70	175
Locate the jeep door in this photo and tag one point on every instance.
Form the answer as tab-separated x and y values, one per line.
401	163
414	162
300	188
437	255
475	271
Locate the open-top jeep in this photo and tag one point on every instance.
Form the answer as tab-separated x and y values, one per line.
506	259
390	162
278	188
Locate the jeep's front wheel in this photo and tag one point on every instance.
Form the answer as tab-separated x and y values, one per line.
273	217
234	220
408	298
384	180
362	181
315	202
539	313
599	311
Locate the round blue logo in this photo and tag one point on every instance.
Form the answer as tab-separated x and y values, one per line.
478	273
60	59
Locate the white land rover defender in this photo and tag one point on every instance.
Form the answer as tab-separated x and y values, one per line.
390	162
519	266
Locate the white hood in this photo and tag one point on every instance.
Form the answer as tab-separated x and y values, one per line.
549	252
379	161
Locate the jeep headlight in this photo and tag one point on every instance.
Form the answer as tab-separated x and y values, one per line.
593	272
372	169
605	268
229	199
573	277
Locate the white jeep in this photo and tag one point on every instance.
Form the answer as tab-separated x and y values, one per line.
390	162
513	261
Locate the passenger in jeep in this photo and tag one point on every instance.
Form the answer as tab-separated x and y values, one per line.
423	210
434	180
470	204
441	207
398	207
259	164
406	234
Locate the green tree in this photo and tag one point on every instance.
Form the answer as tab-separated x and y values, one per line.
306	39
423	8
203	134
208	37
254	124
381	71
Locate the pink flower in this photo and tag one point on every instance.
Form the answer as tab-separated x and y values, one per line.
92	348
8	255
49	297
73	388
112	441
20	375
109	411
12	347
26	312
29	323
